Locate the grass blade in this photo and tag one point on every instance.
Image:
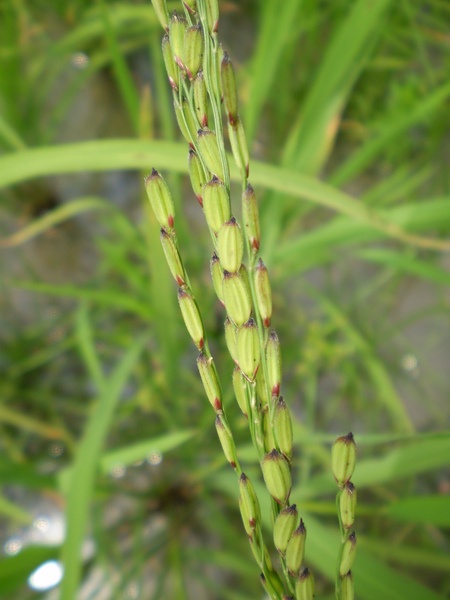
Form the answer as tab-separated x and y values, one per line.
392	129
83	473
141	450
54	217
138	154
278	24
407	264
433	510
113	298
87	348
346	56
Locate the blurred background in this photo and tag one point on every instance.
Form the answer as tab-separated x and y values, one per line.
111	474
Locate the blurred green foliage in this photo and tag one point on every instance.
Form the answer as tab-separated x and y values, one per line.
102	415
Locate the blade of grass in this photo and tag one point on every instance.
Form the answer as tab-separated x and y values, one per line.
391	129
434	510
407	555
87	349
137	154
83	474
14	473
55	217
24	422
345	58
124	80
406	264
12	511
10	136
307	249
113	298
376	369
140	450
277	29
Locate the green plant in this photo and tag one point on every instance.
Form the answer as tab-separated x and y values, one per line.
202	77
357	268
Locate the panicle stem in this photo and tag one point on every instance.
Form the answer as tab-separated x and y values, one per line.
195	62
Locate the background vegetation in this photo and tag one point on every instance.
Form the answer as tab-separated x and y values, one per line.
102	416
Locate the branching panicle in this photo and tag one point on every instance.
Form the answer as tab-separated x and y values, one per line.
204	87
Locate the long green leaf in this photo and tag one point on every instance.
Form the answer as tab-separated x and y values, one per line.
83	474
406	264
140	450
87	348
11	510
393	128
345	58
375	367
113	298
422	509
343	231
55	217
139	154
278	24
